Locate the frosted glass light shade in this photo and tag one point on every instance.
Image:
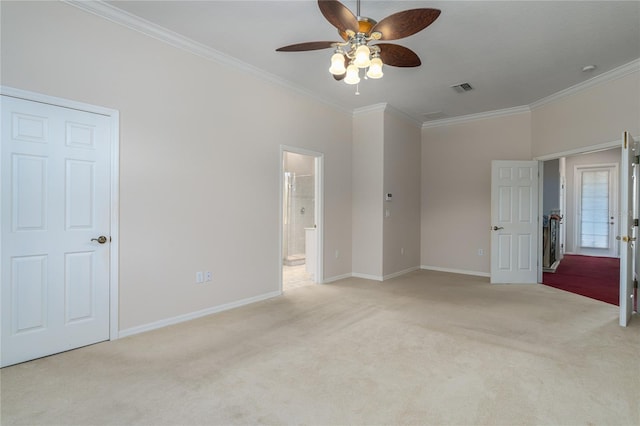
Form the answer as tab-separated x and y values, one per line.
362	57
375	69
352	75
337	64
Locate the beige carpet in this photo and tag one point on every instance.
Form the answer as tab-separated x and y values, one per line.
425	348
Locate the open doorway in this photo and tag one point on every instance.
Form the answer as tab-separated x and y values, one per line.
300	218
580	222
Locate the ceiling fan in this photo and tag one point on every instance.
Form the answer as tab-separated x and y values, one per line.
355	53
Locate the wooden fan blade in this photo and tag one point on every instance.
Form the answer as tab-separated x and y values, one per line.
311	45
338	15
398	56
405	23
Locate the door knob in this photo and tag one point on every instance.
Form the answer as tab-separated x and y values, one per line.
101	239
497	228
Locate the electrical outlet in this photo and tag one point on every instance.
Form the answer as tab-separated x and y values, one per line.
207	276
402	251
199	278
480	252
337	254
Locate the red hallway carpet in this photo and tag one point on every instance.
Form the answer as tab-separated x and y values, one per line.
594	277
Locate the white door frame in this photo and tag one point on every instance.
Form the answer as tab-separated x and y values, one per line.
628	208
557	155
563	206
540	214
114	120
319	208
614	194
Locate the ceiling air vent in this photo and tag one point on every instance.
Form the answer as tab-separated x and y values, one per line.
462	87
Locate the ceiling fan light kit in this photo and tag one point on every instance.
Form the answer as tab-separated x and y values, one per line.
362	59
375	69
337	64
355	53
352	75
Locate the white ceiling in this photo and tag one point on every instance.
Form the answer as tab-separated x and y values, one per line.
512	52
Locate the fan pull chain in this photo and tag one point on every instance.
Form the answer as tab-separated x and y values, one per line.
357	89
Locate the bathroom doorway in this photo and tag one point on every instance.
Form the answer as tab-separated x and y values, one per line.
301	232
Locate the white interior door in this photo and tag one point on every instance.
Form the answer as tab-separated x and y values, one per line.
514	221
55	165
628	231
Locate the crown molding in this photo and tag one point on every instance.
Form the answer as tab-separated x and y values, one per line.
614	74
403	115
385	107
475	117
133	22
370	108
624	70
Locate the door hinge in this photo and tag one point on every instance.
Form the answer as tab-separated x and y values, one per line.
635	222
635	283
636	159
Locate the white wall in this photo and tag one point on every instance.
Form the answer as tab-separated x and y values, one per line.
386	159
401	235
456	162
368	180
590	117
456	187
199	161
199	156
551	190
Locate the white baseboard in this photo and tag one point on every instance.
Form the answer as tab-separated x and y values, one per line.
197	314
456	271
336	278
399	273
384	277
204	312
367	276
